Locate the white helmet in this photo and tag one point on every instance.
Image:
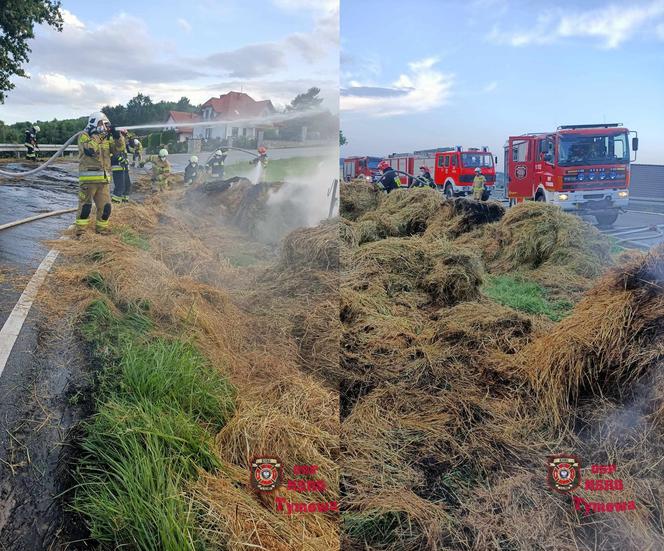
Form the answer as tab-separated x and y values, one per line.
36	128
193	159
96	120
136	142
478	170
163	153
218	152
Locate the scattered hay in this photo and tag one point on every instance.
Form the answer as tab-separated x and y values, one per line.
611	338
534	234
399	214
356	198
460	215
313	247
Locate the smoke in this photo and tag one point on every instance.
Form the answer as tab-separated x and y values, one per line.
303	201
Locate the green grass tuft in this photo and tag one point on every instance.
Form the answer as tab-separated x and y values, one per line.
159	404
277	170
526	296
130	237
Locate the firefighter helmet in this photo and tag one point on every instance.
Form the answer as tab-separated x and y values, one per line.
424	168
136	142
262	150
96	120
163	153
219	152
36	128
193	159
383	165
478	170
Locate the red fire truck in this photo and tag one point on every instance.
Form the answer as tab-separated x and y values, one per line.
452	168
354	167
580	168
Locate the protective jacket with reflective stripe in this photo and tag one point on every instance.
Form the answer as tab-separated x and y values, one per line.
94	157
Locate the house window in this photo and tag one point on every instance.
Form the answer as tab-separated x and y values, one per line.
244	132
235	132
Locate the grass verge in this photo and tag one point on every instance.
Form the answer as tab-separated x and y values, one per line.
526	296
158	405
277	170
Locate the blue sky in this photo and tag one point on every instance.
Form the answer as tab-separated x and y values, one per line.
438	73
109	51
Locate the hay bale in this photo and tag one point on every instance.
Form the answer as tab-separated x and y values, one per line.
403	212
456	276
356	198
533	234
613	336
460	215
316	247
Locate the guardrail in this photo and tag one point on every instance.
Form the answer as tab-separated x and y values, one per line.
19	150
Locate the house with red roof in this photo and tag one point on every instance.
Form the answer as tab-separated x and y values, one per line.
239	113
179	119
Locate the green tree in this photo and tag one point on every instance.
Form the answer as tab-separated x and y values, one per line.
342	138
307	100
17	21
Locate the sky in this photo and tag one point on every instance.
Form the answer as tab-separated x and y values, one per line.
435	73
110	51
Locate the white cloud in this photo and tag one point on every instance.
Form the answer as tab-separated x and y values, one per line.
421	89
70	20
612	25
184	25
491	86
311	5
660	31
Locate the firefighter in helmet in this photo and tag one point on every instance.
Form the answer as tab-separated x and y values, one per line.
479	183
161	170
389	181
216	163
192	171
94	171
424	179
31	143
120	170
135	149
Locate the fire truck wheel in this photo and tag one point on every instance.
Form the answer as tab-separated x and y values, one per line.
606	220
448	191
540	197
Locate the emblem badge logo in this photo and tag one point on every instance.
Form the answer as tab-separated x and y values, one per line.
564	473
265	473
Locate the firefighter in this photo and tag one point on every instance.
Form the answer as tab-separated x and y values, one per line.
135	149
161	170
425	179
31	143
120	170
262	157
216	163
479	183
94	171
191	171
389	181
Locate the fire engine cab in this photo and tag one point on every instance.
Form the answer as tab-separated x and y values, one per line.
455	170
354	167
580	168
452	168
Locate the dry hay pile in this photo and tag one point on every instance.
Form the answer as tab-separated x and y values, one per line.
357	197
451	402
281	409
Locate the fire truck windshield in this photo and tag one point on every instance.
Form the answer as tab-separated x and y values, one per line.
593	150
473	160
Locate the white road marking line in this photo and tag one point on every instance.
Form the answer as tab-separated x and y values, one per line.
14	323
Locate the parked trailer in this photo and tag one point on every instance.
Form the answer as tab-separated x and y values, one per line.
580	168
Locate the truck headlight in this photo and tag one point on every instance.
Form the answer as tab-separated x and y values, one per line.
623	193
563	196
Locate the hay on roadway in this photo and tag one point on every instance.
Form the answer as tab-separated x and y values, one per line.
476	342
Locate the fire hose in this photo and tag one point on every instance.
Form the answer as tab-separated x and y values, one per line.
23	174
